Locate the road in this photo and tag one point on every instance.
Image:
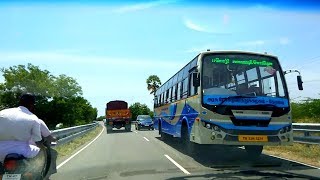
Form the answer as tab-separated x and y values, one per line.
142	155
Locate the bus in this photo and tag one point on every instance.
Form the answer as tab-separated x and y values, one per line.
226	97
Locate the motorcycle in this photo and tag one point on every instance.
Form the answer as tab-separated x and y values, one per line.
17	167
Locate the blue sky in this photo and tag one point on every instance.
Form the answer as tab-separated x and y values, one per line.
111	48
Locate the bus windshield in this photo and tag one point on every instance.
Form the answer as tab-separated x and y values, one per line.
243	75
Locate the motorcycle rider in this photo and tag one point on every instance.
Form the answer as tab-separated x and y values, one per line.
20	129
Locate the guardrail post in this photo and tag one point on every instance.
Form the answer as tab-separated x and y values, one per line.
306	133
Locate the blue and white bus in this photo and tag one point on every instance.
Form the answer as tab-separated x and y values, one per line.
229	98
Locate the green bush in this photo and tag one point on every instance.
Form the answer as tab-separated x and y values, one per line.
307	111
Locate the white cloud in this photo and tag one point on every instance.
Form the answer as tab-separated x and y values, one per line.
284	41
142	6
226	19
191	25
205	28
64	58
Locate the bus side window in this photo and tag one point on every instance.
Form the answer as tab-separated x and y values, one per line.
185	87
159	100
179	91
173	98
192	90
155	102
170	95
176	92
162	99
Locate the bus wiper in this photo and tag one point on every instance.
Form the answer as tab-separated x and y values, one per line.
235	97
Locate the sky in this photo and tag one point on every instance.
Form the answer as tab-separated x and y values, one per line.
111	48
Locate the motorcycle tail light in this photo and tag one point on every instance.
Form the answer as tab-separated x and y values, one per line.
10	165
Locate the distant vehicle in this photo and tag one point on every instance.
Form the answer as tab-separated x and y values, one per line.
118	115
144	122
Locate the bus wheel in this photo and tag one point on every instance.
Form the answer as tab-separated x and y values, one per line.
163	136
254	152
187	144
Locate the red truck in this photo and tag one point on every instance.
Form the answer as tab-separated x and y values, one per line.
118	115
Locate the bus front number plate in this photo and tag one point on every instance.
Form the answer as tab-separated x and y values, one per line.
253	138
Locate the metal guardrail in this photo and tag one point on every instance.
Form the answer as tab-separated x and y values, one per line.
307	129
67	134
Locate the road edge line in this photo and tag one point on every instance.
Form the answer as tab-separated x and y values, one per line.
178	165
292	161
67	160
315	167
146	139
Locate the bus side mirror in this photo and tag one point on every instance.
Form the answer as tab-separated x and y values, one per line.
196	79
299	80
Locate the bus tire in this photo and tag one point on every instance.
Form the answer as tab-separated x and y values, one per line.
254	152
187	144
163	136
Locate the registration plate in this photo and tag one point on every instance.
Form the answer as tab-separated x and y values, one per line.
253	138
11	177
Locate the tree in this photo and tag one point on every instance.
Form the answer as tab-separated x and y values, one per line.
65	86
100	118
153	83
58	99
28	78
139	109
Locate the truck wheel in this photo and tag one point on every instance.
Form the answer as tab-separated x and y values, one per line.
254	152
109	129
128	128
187	144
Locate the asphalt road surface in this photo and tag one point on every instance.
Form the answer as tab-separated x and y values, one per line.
142	155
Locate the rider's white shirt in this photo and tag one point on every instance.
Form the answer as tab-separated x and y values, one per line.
19	129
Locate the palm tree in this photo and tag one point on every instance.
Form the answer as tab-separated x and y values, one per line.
153	83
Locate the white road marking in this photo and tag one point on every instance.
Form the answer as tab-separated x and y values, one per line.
146	139
135	132
293	161
288	160
67	160
178	165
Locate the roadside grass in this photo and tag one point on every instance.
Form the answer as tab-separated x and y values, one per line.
306	120
68	148
309	154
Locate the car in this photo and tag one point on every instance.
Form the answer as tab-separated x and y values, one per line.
144	122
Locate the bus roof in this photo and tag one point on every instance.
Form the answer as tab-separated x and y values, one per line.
236	51
217	52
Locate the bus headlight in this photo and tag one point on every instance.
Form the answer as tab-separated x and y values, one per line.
216	128
208	126
288	128
285	129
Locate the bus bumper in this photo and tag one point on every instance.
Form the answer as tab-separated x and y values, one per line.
216	135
